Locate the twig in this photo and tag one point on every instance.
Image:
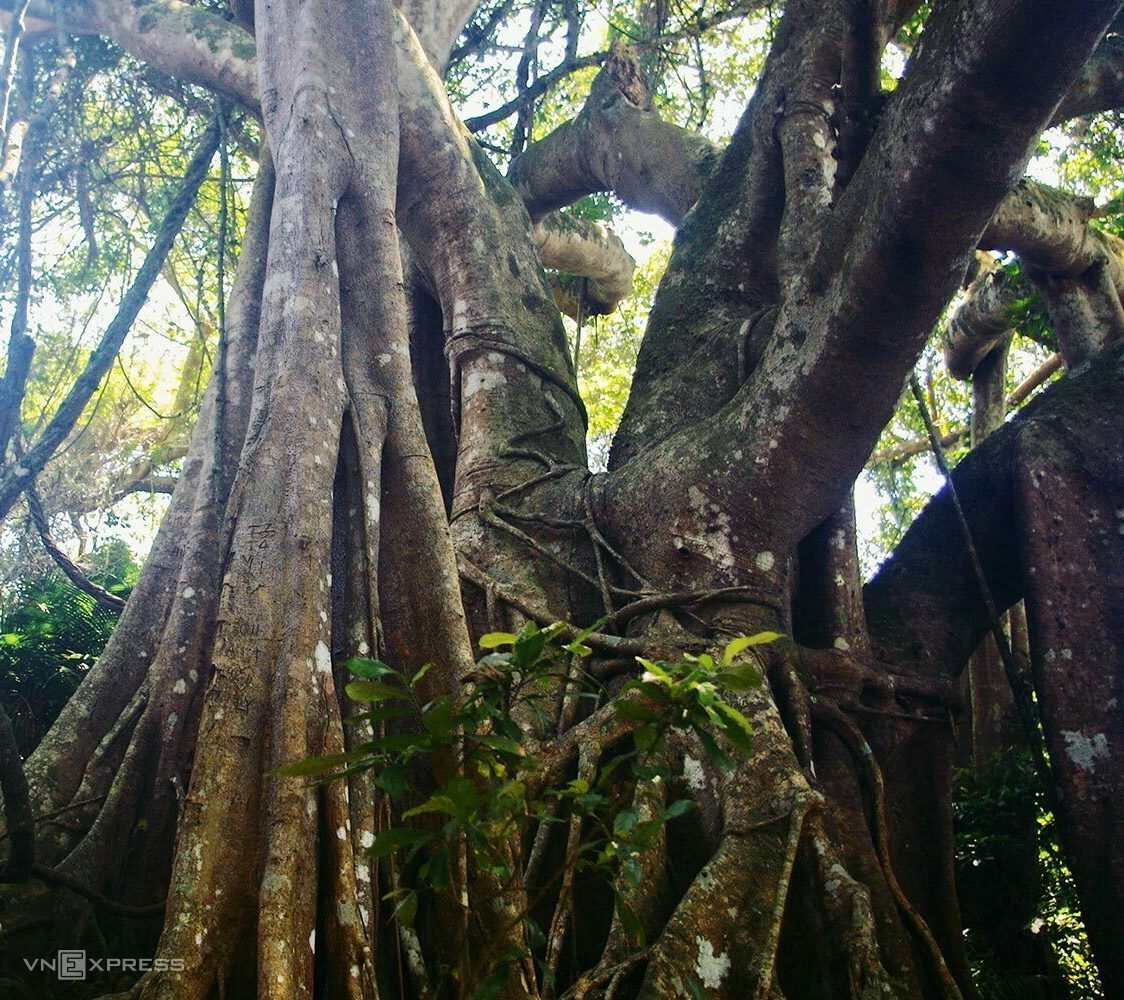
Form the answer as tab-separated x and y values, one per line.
70	568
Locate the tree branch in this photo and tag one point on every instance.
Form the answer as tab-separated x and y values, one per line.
70	568
587	249
618	143
16	479
438	25
894	249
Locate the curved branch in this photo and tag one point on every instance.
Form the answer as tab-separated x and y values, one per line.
984	320
1049	229
618	143
70	568
587	249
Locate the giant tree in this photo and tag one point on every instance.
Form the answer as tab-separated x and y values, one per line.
391	460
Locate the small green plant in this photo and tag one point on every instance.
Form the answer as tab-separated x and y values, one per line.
1024	932
466	782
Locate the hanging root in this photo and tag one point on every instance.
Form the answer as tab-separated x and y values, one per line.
831	716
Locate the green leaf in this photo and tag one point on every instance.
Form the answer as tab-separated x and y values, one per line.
422	671
626	708
362	667
493	640
407	910
677	809
396	839
434	804
373	691
742	676
317	765
384	713
737	729
392	780
502	744
630	922
400	742
744	642
713	750
646	737
436	869
438	717
625	822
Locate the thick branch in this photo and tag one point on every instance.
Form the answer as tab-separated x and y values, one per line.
923	608
893	252
438	25
984	320
1049	229
178	39
617	143
587	249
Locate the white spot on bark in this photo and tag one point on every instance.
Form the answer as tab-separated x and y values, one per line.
312	941
368	838
711	968
341	833
354	971
323	658
363	873
478	381
1084	750
765	561
693	774
188	593
181	687
841	643
364	649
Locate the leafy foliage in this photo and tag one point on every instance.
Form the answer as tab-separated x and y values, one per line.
51	634
463	777
1023	925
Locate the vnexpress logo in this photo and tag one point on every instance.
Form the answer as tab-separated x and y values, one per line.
71	965
74	966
